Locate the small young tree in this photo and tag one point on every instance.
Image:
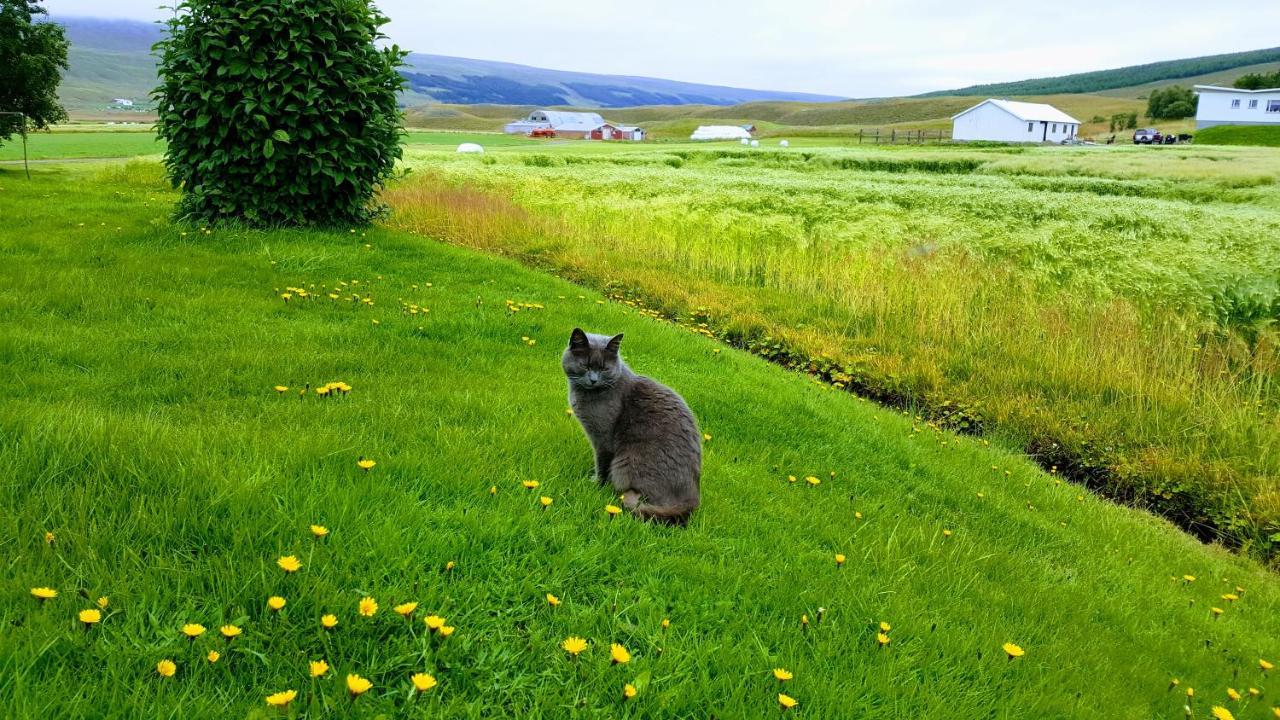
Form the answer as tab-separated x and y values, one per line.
278	112
32	58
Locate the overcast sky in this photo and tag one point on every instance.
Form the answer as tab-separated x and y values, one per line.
850	48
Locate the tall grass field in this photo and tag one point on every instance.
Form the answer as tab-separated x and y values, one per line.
1112	311
213	439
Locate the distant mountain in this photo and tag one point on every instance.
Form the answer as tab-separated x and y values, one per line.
111	59
1100	80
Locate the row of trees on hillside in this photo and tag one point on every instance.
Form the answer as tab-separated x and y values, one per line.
1258	81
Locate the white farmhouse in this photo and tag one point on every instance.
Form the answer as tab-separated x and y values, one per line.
1232	106
1011	121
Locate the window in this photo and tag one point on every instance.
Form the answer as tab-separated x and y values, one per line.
1273	106
1031	127
1055	127
1235	104
1253	104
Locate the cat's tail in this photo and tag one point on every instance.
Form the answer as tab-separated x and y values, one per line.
675	514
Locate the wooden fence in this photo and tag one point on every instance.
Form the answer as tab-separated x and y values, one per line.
909	137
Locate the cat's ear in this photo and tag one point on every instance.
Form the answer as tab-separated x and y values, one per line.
614	343
578	340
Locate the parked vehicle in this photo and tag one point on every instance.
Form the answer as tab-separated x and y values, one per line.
1147	136
542	133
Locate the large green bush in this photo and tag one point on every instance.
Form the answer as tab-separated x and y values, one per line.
278	112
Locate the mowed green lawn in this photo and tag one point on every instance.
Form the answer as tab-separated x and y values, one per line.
141	428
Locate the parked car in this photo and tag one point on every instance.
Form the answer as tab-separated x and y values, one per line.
1147	136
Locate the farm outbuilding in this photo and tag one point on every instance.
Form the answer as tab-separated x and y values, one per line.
1012	121
609	131
1233	106
720	132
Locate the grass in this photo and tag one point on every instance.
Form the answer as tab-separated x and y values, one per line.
140	427
1257	135
1110	310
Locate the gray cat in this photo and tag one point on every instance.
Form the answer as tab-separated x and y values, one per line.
646	440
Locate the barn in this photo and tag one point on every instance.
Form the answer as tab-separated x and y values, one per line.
574	125
609	131
1012	121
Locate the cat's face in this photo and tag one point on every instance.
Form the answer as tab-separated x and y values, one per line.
591	362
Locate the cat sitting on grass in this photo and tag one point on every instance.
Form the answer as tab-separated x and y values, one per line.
646	440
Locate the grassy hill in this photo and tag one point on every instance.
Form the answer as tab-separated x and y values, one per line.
1124	77
141	429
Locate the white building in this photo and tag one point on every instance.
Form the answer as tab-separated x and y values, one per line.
1232	106
720	132
122	102
1011	121
566	124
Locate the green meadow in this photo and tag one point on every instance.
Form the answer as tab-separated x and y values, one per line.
150	459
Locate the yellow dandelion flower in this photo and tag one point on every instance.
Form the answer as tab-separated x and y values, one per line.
493	489
791	478
230	631
1189	578
546	501
1275	711
574	645
839	559
552	600
44	593
213	656
530	484
450	565
289	564
329	622
786	701
1191	692
103	602
433	622
281	389
365	464
1254	692
1013	651
1230	597
423	682
666	623
357	685
857	515
166	668
946	532
619	654
813	480
706	437
406	609
628	691
49	538
1233	694
275	602
319	668
782	675
1216	611
368	606
882	639
446	630
612	509
885	627
1264	665
1221	713
90	617
282	699
319	531
193	630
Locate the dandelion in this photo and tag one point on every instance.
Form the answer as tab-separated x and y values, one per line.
1254	692
90	618
357	685
574	645
612	510
44	593
368	606
493	489
813	480
1221	713
166	668
839	560
193	630
882	639
275	602
1189	578
329	622
445	630
319	531
804	622
289	564
422	682
530	484
791	478
319	668
857	515
1264	665
213	656
782	675
786	701
619	654
706	437
946	533
1013	651
282	389
449	566
1233	694
1216	611
628	691
885	627
666	623
282	699
406	609
365	464
103	602
433	622
552	600
546	501
1230	597
1191	692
